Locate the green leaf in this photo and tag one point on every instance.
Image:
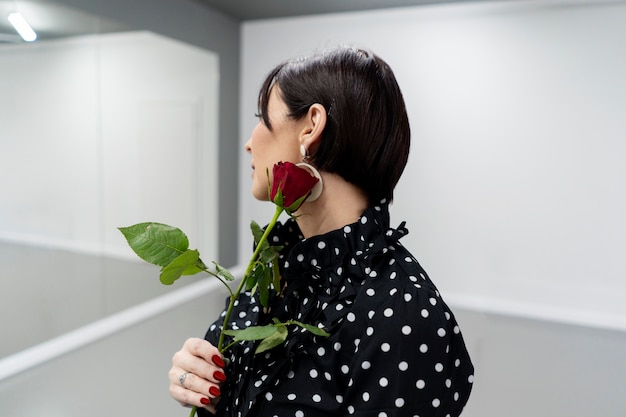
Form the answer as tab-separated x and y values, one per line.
184	264
264	287
268	255
257	233
252	332
276	277
223	272
313	329
273	340
156	243
253	277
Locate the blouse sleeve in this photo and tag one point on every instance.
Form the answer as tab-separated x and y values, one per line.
409	356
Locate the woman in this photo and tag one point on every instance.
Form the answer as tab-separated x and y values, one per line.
394	348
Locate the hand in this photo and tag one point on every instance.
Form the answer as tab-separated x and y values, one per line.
202	366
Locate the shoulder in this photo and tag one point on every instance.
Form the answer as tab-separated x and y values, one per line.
399	297
400	337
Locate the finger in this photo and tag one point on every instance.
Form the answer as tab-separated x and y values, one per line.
192	357
211	407
197	366
188	397
175	375
193	383
204	349
196	382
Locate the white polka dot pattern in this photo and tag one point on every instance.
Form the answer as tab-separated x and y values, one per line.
395	348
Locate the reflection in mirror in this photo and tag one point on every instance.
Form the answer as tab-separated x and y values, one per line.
97	131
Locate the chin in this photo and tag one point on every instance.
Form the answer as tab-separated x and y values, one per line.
260	195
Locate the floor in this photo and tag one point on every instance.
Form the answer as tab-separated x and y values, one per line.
122	375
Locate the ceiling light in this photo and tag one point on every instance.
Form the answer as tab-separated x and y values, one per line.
22	27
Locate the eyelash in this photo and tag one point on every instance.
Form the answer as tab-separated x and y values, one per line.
257	115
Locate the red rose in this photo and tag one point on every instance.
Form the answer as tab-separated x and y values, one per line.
291	186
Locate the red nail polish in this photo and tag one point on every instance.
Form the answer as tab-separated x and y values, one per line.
205	400
219	375
215	391
218	361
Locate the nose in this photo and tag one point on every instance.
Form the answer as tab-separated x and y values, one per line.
247	146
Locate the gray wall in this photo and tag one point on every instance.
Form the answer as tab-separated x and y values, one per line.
514	190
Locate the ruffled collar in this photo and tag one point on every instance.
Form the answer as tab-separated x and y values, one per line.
361	241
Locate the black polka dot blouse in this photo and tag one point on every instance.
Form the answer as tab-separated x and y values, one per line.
395	349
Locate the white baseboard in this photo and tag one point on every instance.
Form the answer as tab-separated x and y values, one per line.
537	311
97	249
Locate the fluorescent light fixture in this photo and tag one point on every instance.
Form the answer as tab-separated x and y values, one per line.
22	27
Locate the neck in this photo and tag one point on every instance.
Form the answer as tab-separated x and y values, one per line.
341	203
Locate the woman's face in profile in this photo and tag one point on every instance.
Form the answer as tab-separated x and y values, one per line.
267	147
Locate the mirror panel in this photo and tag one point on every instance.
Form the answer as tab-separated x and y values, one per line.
97	131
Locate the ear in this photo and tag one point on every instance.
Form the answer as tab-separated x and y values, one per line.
314	124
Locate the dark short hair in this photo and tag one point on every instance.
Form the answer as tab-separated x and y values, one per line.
367	135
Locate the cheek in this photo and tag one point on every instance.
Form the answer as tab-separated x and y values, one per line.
260	134
268	148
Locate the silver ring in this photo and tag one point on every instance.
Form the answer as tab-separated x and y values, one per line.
182	378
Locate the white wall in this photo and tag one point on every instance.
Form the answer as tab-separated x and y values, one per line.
513	193
98	132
